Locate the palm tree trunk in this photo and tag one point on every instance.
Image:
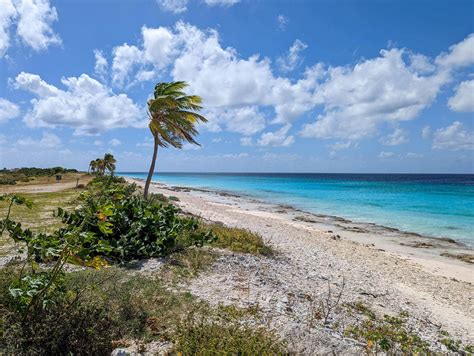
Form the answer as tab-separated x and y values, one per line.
152	168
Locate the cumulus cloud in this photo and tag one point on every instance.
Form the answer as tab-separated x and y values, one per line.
277	138
86	105
8	110
101	65
7	17
175	6
48	140
34	25
453	137
292	59
386	155
246	120
115	142
358	99
33	20
342	145
396	138
221	2
460	55
463	99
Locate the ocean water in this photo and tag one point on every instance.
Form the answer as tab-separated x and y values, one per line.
437	205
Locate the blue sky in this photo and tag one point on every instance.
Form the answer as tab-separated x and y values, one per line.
288	86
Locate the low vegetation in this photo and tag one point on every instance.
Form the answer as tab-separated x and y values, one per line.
13	176
47	310
239	240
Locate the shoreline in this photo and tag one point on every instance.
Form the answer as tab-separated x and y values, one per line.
313	217
426	251
391	272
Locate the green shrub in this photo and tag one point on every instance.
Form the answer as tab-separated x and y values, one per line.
208	336
239	240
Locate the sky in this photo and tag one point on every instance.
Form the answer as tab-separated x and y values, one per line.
288	86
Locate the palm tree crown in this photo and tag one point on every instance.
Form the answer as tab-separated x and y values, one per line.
173	118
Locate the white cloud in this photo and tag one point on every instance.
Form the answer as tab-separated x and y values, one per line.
426	132
453	137
396	138
3	139
115	142
413	155
463	99
341	145
277	138
358	99
125	57
385	155
147	142
292	58
101	65
246	120
221	2
460	55
86	105
420	63
33	19
98	143
175	6
235	155
7	16
8	110
48	141
282	22
246	141
34	25
191	147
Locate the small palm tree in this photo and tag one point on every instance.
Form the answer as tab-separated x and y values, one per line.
173	117
109	163
100	166
92	167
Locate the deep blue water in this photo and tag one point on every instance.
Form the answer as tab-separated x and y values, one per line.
436	205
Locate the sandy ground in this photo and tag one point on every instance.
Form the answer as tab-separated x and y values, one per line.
47	184
379	267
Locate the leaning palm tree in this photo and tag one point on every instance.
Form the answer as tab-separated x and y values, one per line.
173	117
109	163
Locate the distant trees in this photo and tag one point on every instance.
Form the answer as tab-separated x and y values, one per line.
101	165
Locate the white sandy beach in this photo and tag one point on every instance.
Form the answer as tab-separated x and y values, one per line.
380	268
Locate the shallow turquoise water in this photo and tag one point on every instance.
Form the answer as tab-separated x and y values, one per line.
433	205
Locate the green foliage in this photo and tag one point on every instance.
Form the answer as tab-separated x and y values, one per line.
389	334
124	226
239	240
11	177
203	336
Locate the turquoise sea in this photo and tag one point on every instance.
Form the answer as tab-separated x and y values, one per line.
437	205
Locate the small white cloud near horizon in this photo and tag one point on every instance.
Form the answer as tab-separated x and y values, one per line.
48	141
115	142
453	137
386	155
225	3
277	138
463	99
396	138
8	110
